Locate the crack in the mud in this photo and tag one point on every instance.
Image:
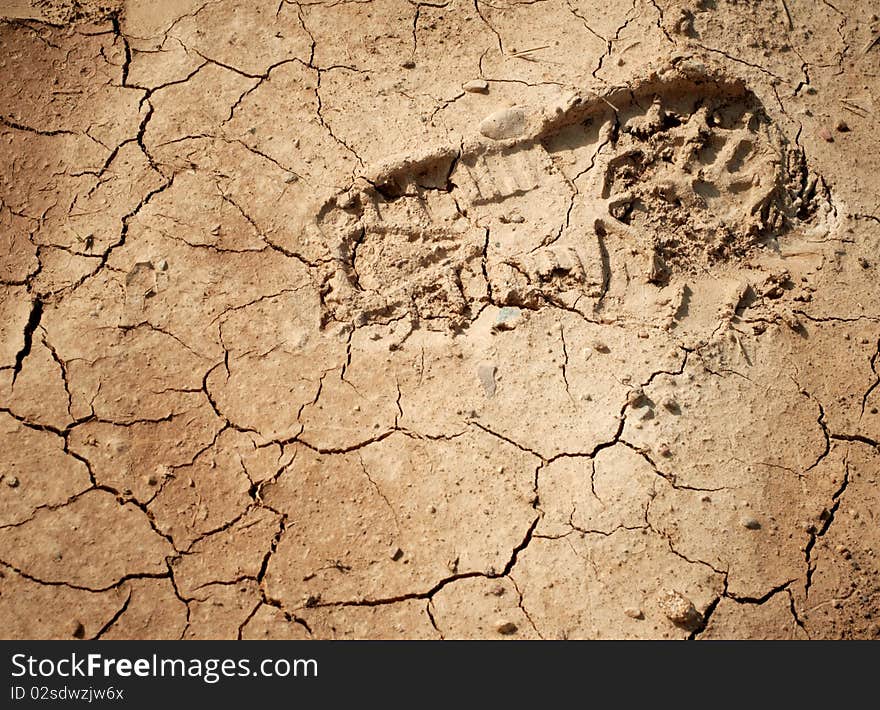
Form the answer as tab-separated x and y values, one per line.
429	594
83	588
113	619
875	383
9	122
827	519
609	43
489	25
33	321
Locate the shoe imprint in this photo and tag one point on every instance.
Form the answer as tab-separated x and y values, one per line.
685	170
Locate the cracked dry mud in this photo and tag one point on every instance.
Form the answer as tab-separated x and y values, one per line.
463	319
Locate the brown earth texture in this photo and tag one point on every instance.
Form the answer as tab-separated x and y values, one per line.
444	319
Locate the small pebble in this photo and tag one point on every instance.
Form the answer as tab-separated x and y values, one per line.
842	126
477	86
505	628
508	318
634	612
825	135
600	347
78	631
634	395
12	482
504	123
678	608
750	523
486	375
396	554
408	64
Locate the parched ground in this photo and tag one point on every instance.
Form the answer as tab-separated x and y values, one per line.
463	319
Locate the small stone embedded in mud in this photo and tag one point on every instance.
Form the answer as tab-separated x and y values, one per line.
601	347
808	527
12	482
504	123
514	218
683	23
476	86
842	126
505	628
750	523
486	374
678	608
78	631
396	554
508	318
634	396
658	272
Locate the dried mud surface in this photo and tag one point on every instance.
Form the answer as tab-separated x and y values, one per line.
462	319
